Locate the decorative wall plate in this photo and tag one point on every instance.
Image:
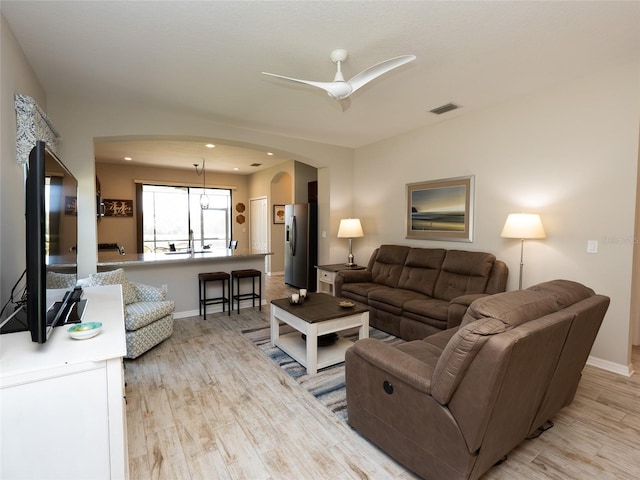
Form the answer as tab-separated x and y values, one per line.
240	219
240	207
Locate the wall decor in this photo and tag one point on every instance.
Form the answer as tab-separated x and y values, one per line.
278	214
70	205
441	209
240	219
240	207
118	208
32	124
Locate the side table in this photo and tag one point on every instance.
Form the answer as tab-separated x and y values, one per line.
327	276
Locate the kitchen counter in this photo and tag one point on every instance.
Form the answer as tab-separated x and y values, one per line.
179	271
114	259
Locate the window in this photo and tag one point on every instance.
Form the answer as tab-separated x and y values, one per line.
170	213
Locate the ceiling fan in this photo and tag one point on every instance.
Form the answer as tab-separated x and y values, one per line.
341	89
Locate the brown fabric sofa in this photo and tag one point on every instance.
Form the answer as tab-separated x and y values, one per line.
415	292
452	405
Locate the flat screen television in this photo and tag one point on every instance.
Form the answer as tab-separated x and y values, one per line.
51	239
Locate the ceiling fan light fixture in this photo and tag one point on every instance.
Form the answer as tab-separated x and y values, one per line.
341	89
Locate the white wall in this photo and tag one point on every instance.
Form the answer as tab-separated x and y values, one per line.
16	76
569	153
277	184
80	120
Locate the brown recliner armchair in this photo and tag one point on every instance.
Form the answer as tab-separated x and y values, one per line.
452	405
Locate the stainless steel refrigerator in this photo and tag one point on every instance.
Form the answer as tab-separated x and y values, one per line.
300	245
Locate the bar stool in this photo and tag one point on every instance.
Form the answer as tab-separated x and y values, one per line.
203	279
252	274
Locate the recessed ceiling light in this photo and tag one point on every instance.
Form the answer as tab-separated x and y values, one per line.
269	153
128	159
236	168
210	145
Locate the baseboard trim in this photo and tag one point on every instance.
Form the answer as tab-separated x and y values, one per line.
212	309
613	367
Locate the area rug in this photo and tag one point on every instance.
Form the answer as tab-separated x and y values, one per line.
327	386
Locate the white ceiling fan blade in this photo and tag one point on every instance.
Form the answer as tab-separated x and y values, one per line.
381	68
335	89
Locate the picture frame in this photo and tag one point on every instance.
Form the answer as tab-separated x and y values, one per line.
118	208
441	209
278	214
70	205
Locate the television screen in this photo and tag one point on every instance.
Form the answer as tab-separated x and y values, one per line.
51	238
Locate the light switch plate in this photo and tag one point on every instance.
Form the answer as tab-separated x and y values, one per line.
592	246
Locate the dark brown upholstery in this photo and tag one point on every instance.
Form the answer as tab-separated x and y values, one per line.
451	405
415	292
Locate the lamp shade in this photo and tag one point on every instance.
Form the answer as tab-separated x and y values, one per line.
523	225
350	228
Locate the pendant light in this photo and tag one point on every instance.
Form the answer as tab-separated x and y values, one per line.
204	199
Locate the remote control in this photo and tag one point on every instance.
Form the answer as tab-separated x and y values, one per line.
76	295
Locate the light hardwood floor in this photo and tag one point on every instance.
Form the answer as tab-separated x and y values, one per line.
206	404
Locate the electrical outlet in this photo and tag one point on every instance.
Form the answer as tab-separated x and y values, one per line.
592	246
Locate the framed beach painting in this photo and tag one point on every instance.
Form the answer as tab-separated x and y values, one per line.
441	209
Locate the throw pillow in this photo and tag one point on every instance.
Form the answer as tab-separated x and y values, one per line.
61	280
115	277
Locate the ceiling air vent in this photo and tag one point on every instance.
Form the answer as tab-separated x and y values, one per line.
444	108
255	164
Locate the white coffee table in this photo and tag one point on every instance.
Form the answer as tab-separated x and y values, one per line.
320	314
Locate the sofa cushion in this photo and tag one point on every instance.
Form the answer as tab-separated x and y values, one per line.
140	314
427	307
426	353
394	297
389	264
511	308
360	289
115	277
565	292
421	269
463	273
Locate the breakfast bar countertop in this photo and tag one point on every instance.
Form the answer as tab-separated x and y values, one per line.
114	259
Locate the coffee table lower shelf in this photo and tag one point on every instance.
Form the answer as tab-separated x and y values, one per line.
293	345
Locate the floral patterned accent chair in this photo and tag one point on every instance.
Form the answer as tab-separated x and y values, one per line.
148	315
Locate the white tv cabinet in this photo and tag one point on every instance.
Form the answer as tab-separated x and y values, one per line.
62	405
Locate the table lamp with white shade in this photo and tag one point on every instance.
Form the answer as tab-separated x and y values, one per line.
523	226
350	228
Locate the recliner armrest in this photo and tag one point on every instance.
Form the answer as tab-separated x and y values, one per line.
350	276
458	307
354	276
395	362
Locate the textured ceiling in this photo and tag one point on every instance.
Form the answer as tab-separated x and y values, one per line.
206	57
